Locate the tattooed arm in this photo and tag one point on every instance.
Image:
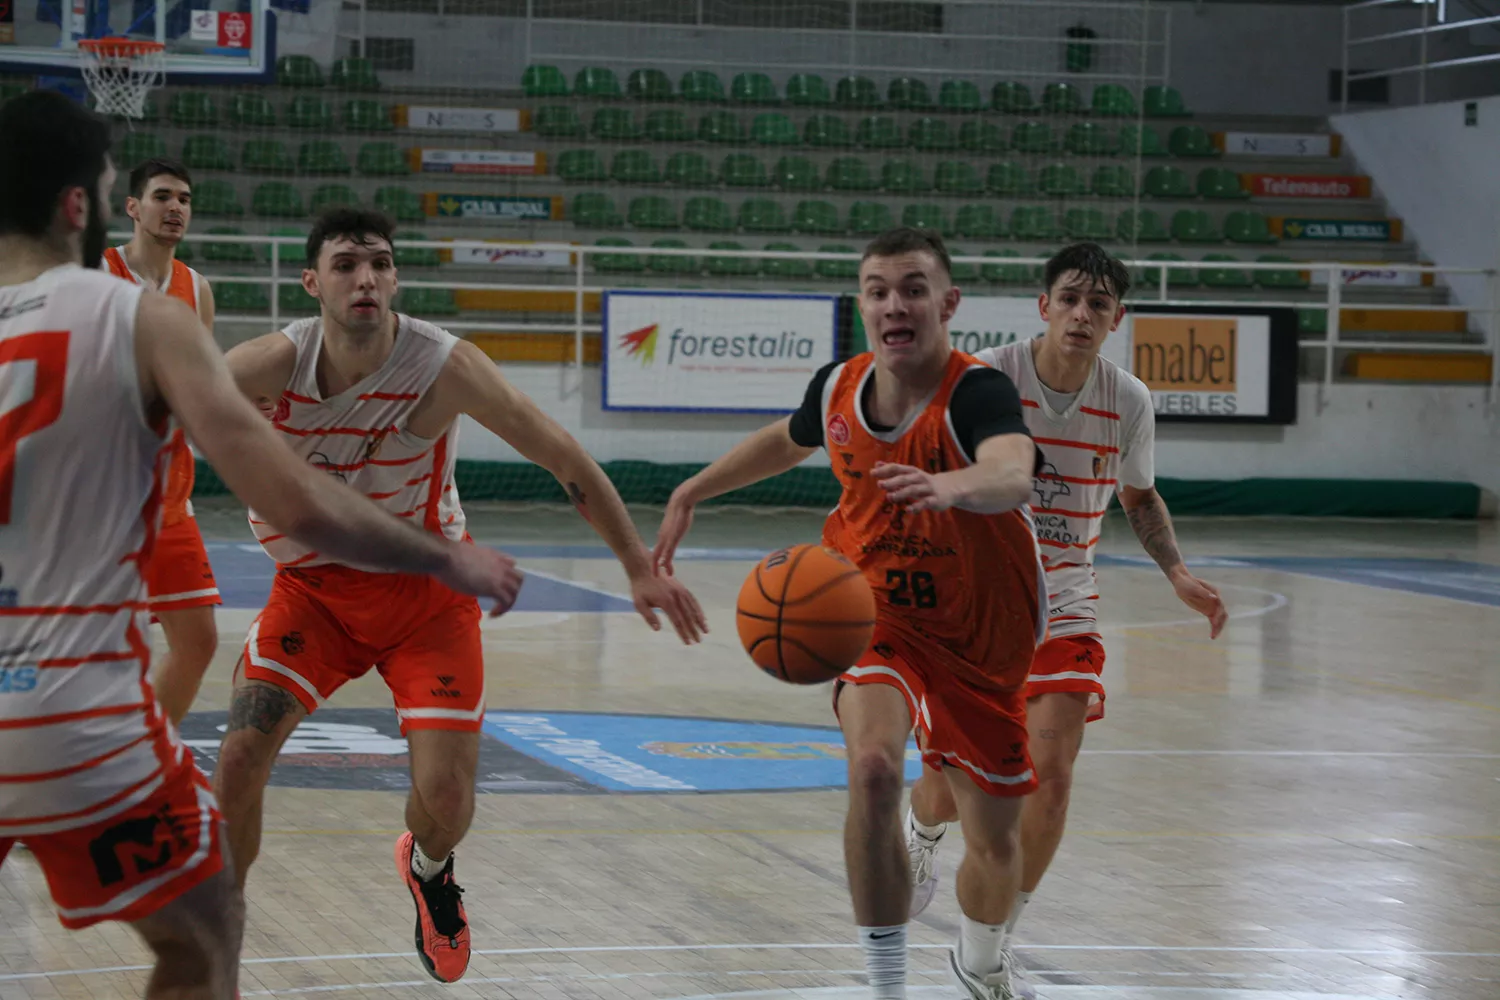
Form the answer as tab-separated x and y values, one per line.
1147	513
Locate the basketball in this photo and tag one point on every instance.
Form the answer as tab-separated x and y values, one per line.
805	614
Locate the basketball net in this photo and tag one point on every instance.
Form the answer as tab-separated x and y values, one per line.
120	72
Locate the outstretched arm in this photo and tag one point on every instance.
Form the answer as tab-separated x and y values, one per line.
1152	523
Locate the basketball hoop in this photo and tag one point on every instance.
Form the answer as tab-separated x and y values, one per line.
120	72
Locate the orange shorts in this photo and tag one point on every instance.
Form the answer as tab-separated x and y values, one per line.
179	575
133	863
1071	663
327	625
959	724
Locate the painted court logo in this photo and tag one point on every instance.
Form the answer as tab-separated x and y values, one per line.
641	344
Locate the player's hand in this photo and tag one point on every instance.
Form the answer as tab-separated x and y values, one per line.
484	572
1203	598
675	601
674	527
917	490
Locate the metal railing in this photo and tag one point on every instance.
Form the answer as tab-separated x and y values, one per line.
1435	17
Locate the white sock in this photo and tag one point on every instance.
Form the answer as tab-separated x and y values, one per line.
885	960
930	832
423	867
1022	898
980	945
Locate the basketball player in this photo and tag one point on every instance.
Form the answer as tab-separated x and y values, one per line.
1097	424
179	582
936	465
373	398
95	780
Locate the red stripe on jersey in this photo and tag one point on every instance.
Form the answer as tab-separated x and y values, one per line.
96	807
389	395
63	772
1063	565
326	431
76	661
1060	442
397	461
91	713
1072	513
74	609
288	394
1031	403
1067	545
1083	482
1098	413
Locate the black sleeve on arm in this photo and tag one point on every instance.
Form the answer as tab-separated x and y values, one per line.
806	426
987	404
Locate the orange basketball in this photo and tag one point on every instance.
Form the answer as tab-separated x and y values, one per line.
806	614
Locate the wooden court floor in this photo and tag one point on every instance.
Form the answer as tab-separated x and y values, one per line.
1307	808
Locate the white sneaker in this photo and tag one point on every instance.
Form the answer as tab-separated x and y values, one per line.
998	985
1018	983
924	869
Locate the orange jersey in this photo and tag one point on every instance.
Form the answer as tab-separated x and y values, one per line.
971	584
177	491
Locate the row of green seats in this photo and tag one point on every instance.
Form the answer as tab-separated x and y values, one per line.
280	200
269	156
247	109
248	296
346	74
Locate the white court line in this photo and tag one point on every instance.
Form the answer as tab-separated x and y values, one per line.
581	586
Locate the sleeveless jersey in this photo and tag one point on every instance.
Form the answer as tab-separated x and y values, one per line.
81	735
1091	447
177	501
360	435
969	585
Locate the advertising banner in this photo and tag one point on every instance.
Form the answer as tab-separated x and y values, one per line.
1305	186
1346	230
479	161
492	207
1276	144
435	119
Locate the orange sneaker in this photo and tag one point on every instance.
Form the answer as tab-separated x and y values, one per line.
442	925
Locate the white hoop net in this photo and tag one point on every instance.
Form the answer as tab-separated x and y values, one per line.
121	73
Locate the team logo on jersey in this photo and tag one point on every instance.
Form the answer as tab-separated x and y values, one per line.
640	344
1049	485
849	469
374	442
292	643
1098	466
328	465
283	410
838	429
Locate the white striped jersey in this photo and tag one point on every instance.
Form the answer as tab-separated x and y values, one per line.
81	735
1101	441
360	435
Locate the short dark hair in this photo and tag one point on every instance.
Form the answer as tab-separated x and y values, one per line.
909	239
47	145
362	225
155	167
1092	260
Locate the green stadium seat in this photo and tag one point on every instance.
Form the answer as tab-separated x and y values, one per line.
925	216
649	85
856	92
1313	322
1087	224
1141	141
1012	99
215	197
614	125
979	222
239	296
1113	181
1031	137
1145	227
1061	180
816	217
1008	180
827	131
774	129
701	87
849	173
1090	139
669	125
1191	225
400	203
707	215
327	195
595	210
1034	222
1247	227
184	249
1224	277
291	253
634	166
807	90
614	263
354	74
762	215
981	137
309	111
753	88
651	212
251	111
959	95
151	112
866	218
1220	183
428	302
1292	278
901	177
723	127
1061	99
729	267
277	200
227	252
879	132
266	156
908	94
782	267
416	256
140	146
957	177
796	173
598	82
842	270
1163	102
1191	140
741	170
364	115
541	80
1167	182
1179	277
293	299
322	156
931	135
963	272
1110	100
1005	274
557	121
673	265
581	166
192	109
298	71
689	170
